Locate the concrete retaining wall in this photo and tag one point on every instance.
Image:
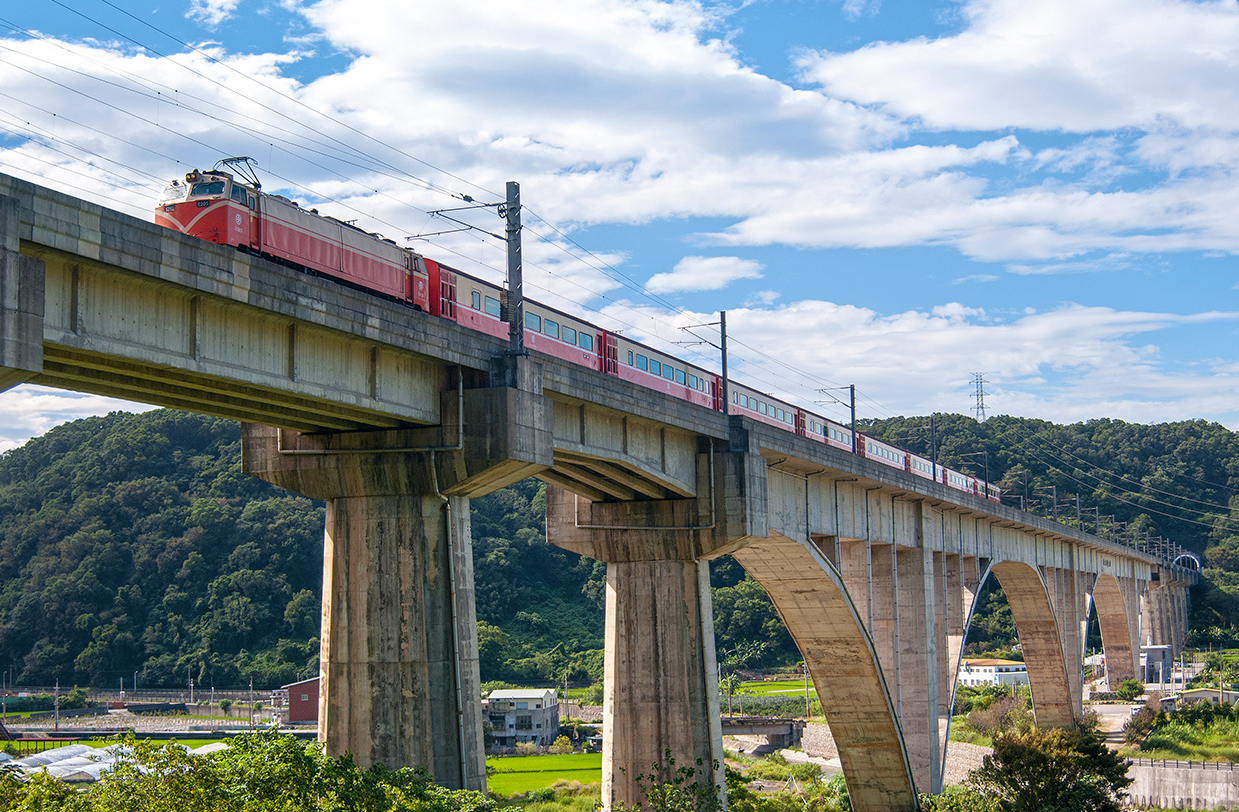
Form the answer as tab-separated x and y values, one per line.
1195	787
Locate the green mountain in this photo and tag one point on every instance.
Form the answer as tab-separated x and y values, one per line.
133	543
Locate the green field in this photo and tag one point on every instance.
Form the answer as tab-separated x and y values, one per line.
519	774
779	688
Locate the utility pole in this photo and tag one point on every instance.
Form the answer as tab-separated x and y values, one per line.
56	705
722	331
516	284
806	689
933	447
856	449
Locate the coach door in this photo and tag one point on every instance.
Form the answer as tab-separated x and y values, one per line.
447	294
255	224
608	354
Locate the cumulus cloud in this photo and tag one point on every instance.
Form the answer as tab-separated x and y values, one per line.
1054	65
703	273
1069	363
31	410
211	12
1047	137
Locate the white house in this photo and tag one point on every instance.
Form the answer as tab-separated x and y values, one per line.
975	673
522	715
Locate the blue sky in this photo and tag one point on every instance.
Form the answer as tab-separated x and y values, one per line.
892	194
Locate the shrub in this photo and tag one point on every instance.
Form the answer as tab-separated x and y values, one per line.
1129	689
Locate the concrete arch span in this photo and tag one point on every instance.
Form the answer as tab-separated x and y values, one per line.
1119	639
811	598
1037	627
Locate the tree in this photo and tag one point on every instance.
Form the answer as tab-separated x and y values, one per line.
1129	689
1052	770
225	705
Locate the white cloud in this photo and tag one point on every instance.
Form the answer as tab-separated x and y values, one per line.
1054	65
703	273
31	410
212	12
1067	364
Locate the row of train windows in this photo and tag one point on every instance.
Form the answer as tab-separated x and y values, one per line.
745	402
827	431
533	321
656	367
886	454
554	329
923	467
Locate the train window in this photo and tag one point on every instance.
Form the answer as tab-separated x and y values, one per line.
679	376
642	362
569	335
550	328
744	401
762	408
656	367
534	322
477	300
492	306
207	189
253	204
668	372
692	381
630	358
585	341
238	194
778	413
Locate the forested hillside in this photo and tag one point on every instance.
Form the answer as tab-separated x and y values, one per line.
133	543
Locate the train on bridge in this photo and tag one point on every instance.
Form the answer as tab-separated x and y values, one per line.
223	208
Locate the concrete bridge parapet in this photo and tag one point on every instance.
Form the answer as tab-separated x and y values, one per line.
21	303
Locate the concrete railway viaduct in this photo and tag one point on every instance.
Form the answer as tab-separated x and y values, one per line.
397	419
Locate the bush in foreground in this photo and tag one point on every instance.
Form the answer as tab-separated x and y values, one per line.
259	771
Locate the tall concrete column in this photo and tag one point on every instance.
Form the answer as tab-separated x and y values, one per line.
1069	597
660	675
399	660
1118	616
961	578
918	665
661	684
884	616
399	664
21	303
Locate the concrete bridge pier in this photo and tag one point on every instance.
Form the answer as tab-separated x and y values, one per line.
399	660
1163	608
1069	598
660	680
1117	601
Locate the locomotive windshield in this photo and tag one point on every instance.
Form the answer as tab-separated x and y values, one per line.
208	188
